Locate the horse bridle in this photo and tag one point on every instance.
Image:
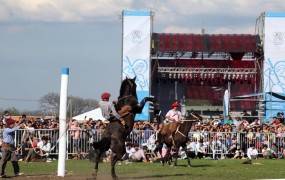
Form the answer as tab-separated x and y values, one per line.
196	119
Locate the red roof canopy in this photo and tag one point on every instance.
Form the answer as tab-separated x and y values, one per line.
205	42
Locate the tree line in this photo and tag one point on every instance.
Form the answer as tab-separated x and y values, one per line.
51	102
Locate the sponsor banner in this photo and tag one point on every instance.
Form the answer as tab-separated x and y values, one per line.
136	53
274	60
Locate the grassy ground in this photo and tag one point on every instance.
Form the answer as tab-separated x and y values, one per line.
200	169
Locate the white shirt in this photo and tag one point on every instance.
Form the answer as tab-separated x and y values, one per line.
191	146
174	114
30	129
251	152
236	122
44	147
200	148
131	151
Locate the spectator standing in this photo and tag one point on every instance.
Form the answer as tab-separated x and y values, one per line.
246	116
24	117
8	148
228	120
75	133
274	121
256	122
6	117
236	121
30	130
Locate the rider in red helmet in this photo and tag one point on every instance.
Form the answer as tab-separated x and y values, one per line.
108	109
174	117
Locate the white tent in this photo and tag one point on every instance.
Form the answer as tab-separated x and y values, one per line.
95	114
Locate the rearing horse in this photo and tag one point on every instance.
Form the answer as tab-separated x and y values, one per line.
115	134
180	138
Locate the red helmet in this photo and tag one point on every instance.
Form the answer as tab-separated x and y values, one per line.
175	105
105	95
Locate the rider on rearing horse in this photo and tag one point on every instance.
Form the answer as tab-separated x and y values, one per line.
174	116
108	109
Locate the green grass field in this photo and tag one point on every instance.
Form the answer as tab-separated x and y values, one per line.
201	169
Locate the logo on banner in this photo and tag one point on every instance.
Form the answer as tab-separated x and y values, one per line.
278	38
137	36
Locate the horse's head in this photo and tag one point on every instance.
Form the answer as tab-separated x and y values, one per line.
194	116
128	93
128	87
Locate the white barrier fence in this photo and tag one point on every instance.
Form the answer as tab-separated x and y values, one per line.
80	141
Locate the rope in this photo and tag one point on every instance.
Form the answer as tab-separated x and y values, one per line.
189	120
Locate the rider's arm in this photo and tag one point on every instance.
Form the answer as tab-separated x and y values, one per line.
114	112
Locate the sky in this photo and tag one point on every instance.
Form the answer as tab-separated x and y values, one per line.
39	38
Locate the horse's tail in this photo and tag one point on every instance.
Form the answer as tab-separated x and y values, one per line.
102	145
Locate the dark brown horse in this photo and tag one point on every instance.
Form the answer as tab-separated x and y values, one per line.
115	134
180	138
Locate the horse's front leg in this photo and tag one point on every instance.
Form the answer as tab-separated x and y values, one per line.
140	106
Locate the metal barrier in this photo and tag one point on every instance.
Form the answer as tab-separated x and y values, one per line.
215	143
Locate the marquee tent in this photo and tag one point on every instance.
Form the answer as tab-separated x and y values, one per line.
95	114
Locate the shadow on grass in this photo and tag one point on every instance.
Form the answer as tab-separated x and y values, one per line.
195	166
175	176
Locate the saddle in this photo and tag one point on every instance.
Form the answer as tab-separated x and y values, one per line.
124	110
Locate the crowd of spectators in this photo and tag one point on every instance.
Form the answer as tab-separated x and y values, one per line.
217	135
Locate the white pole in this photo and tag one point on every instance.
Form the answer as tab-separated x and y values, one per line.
62	122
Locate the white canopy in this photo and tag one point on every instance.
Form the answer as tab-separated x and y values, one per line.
95	114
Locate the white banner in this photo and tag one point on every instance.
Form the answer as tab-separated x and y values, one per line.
274	61
274	53
136	53
226	103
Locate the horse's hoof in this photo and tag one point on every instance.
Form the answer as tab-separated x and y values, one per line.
94	174
115	178
170	165
189	165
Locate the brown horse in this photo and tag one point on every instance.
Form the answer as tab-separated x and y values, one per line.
180	138
115	134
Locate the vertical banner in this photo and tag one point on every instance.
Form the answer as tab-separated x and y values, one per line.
136	53
226	104
274	62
